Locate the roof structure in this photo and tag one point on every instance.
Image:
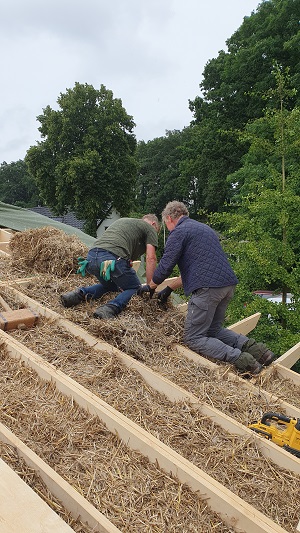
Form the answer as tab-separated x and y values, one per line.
204	468
69	218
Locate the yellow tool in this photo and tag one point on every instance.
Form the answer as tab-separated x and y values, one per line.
280	429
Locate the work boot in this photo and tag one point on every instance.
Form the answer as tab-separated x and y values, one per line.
260	352
107	311
69	299
247	363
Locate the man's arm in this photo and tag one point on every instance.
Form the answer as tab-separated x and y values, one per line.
150	261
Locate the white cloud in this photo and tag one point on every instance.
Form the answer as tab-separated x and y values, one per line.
150	53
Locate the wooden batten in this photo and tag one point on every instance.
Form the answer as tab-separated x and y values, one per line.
22	510
5	236
75	504
289	358
286	373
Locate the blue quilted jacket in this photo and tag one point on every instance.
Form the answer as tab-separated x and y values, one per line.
196	249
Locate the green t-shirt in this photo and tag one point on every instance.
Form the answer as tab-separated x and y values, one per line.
128	238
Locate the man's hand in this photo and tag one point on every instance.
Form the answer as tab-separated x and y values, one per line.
82	263
163	295
144	289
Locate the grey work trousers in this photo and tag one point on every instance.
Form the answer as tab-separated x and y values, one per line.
204	332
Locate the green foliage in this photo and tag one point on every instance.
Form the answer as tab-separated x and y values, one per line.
237	88
16	185
159	178
269	328
86	161
262	222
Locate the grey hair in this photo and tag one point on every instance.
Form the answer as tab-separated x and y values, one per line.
175	210
152	218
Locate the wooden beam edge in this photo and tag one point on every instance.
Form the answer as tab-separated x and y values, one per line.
287	373
22	509
74	502
289	358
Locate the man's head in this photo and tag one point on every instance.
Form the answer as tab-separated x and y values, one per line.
152	220
172	213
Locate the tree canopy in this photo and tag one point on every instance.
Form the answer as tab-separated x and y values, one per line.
233	87
261	223
16	185
85	161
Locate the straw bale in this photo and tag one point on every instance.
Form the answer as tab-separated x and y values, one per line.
47	249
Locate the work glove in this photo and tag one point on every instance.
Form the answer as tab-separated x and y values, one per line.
106	268
82	266
163	296
144	289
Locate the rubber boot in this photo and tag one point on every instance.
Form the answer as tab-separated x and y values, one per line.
247	363
72	298
107	311
260	352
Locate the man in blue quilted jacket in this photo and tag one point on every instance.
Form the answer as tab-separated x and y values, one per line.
207	276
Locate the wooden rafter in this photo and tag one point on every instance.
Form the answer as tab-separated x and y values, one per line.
231	508
30	514
76	504
175	392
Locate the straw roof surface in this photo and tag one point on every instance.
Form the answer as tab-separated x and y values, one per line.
46	250
135	495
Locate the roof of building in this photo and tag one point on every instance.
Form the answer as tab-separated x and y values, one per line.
69	218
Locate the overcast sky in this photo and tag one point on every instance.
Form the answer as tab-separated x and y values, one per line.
149	53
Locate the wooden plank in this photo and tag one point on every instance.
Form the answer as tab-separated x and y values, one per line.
136	265
5	236
164	284
4	246
22	510
286	373
231	508
246	325
289	358
76	504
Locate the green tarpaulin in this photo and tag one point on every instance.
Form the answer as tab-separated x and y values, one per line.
20	219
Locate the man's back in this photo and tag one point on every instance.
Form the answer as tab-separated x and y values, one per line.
127	238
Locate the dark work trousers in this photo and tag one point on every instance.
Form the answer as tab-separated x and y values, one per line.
124	279
204	332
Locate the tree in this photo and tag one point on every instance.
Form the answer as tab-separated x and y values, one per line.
16	185
232	88
85	161
159	176
262	222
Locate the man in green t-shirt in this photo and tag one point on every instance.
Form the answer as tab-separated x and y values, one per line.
110	261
